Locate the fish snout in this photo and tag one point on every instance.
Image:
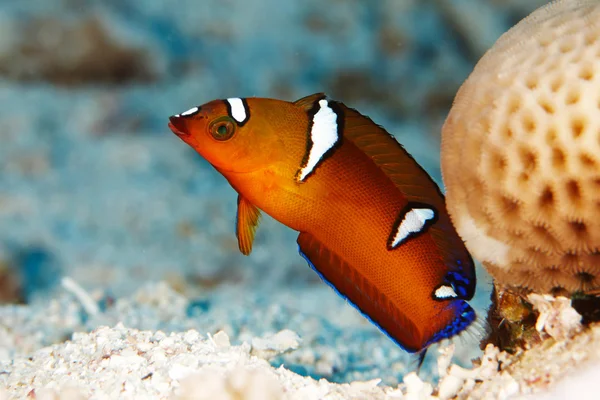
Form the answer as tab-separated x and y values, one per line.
178	125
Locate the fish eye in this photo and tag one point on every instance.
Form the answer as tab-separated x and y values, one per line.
222	128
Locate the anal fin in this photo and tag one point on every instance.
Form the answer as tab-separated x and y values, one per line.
248	217
349	283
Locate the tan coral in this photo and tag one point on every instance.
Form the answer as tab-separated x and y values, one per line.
521	152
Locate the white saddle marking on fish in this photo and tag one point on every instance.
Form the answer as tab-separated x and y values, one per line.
413	222
238	111
445	292
323	135
191	111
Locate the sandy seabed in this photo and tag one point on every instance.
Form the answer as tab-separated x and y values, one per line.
122	362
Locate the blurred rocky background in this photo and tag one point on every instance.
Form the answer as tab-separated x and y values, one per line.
94	186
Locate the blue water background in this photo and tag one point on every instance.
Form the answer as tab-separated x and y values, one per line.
95	187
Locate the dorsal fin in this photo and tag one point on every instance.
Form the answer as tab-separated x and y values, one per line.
389	155
308	102
414	183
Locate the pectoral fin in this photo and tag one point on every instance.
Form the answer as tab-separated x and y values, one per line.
248	217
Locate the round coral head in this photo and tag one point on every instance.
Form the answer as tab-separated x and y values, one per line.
521	152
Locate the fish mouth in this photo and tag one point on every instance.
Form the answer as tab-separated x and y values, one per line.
177	125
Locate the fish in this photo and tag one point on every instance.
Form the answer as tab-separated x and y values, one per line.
372	223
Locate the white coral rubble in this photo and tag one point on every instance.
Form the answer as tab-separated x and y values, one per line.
557	318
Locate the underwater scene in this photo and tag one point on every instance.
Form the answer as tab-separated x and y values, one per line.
130	268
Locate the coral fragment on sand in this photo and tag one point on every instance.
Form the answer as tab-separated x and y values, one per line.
557	318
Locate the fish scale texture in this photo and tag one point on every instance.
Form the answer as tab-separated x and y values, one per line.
345	182
520	152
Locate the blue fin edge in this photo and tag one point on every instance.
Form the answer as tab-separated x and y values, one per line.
311	265
466	317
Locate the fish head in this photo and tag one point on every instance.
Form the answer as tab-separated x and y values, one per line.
235	135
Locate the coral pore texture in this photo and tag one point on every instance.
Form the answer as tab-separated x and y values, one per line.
521	153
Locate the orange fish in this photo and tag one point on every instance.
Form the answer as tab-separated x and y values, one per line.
372	223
